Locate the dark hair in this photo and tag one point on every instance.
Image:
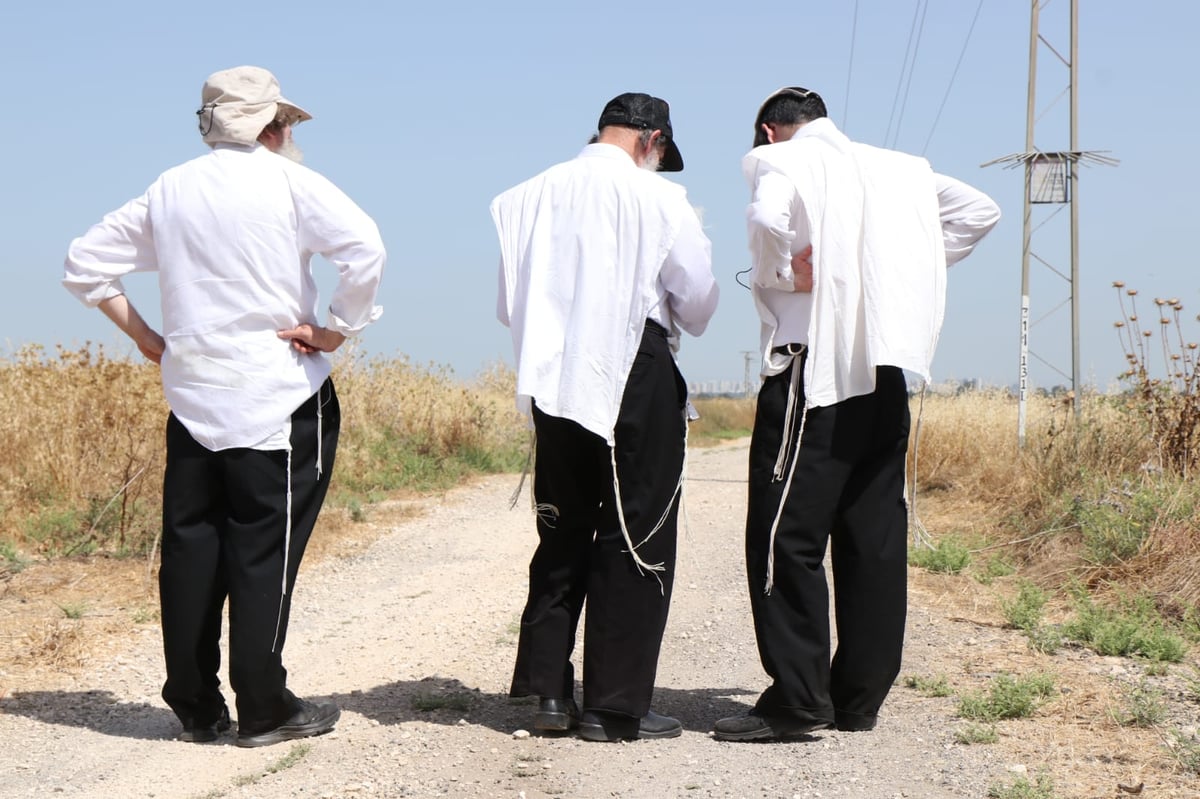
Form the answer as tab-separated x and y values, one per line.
790	106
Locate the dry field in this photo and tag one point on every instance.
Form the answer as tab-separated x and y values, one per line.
84	445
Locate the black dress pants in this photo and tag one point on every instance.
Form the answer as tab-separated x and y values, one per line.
582	553
847	489
225	518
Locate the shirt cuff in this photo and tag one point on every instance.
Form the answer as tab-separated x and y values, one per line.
348	330
93	295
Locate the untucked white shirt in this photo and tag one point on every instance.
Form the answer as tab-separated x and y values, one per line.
590	249
883	227
231	234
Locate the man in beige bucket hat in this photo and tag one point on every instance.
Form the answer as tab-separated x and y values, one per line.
254	417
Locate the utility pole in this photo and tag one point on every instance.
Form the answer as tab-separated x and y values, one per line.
1050	178
749	356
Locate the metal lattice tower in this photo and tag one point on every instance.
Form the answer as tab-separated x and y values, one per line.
750	357
1051	178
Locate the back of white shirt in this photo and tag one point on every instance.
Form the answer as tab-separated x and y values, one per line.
882	227
232	234
589	248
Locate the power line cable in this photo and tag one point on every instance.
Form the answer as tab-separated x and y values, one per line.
850	66
912	68
953	75
903	66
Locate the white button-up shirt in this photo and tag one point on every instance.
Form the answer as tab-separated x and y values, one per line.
591	249
231	234
882	226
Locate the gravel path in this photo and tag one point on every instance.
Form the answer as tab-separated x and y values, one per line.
427	616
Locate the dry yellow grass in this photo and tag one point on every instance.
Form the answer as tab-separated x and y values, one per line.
721	418
974	482
85	444
83	437
1051	497
85	457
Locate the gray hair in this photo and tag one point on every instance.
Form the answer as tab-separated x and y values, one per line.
643	137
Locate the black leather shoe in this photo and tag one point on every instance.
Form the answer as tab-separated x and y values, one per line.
205	733
599	725
752	727
556	715
310	719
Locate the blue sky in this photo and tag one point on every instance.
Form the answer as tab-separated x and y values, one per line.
423	112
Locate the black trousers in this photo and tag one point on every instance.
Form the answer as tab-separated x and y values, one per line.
225	515
847	489
582	553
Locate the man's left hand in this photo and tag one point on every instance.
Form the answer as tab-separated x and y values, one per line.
312	338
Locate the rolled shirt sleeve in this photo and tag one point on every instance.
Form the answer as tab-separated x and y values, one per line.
121	243
967	215
771	226
332	226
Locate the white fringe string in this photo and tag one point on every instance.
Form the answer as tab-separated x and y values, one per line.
789	421
320	418
677	492
921	536
548	513
287	547
529	457
787	487
637	559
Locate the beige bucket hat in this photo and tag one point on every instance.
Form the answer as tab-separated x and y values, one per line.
236	104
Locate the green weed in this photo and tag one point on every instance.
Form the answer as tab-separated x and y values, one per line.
1193	684
1115	526
1046	640
1185	748
1007	698
1024	611
294	756
73	610
1144	706
995	567
929	686
1041	788
947	556
13	561
1134	627
976	733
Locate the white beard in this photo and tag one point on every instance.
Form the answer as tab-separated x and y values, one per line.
651	161
289	150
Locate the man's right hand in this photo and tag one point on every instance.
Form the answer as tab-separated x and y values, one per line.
802	271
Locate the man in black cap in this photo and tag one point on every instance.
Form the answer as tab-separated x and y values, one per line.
603	261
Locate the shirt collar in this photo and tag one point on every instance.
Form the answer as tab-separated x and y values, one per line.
822	127
245	148
824	130
604	150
